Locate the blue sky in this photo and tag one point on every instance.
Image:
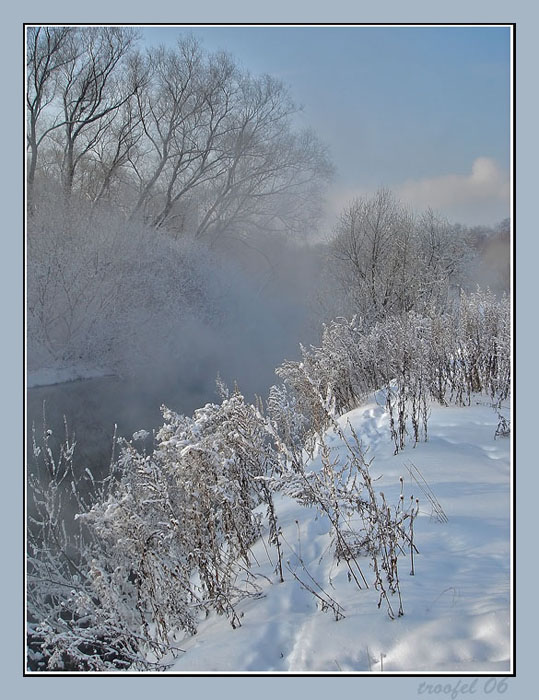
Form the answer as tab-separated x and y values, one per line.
423	110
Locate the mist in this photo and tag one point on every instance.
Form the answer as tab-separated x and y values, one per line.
161	317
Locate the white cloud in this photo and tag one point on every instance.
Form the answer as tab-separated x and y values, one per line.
478	197
485	184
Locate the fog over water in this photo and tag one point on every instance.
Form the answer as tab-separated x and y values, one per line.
259	314
261	332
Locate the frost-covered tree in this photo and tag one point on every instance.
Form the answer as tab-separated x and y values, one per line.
163	189
78	79
389	261
47	51
181	138
220	151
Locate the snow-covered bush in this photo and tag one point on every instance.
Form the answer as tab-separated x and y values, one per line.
167	537
101	289
484	344
73	622
165	543
290	424
180	522
413	357
365	529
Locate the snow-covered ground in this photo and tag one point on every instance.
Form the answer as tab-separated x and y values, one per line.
47	376
457	606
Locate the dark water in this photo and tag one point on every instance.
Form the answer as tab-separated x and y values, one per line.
92	407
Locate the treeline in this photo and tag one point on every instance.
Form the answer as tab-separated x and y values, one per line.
387	258
176	137
101	289
166	190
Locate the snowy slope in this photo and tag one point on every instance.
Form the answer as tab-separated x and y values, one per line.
47	376
457	606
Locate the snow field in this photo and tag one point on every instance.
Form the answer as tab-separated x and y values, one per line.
456	607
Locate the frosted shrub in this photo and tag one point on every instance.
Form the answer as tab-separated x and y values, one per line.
181	518
365	529
164	543
289	422
345	363
484	344
446	356
74	622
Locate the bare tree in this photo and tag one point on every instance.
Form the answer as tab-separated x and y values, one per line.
77	81
371	244
47	51
176	143
183	113
91	92
220	150
184	138
270	170
390	261
444	251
